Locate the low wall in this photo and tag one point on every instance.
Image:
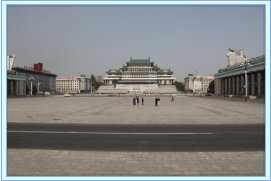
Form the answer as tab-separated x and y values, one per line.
138	88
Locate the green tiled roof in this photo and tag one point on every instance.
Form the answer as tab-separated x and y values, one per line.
240	68
164	71
140	61
113	71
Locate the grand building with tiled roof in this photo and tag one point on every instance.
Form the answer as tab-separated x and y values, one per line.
140	71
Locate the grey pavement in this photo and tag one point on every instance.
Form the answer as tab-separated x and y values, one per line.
101	163
119	110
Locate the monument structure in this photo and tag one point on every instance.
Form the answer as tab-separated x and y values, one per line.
242	76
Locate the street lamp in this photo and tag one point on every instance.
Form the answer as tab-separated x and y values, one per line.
38	86
246	84
91	87
31	79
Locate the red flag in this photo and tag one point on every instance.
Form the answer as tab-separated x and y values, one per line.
245	56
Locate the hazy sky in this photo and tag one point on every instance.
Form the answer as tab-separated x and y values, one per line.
74	40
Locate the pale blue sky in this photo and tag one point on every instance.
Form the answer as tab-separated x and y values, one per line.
74	40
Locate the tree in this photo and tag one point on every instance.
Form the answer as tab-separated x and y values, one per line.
96	84
99	79
179	86
93	79
115	81
211	88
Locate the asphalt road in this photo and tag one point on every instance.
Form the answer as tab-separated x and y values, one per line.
196	138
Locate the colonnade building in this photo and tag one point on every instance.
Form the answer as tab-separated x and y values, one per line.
16	84
242	77
140	71
43	80
20	79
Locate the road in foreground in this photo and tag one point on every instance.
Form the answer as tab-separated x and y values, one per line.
137	137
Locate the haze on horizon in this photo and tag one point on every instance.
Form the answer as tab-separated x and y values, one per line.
74	40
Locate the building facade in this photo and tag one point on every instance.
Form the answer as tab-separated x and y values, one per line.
197	84
16	84
84	83
140	71
43	80
245	77
72	84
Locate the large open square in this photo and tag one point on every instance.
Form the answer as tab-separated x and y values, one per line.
110	136
120	110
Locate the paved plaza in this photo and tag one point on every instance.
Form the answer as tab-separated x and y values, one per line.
120	110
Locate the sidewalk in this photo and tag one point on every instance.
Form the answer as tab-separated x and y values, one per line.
99	163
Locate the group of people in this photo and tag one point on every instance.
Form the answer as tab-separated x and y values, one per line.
136	101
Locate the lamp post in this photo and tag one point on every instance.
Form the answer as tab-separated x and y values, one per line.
91	87
31	78
38	85
246	84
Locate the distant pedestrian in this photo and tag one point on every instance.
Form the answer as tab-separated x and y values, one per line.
156	101
142	101
172	99
137	100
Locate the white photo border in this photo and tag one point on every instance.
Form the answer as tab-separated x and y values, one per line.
3	105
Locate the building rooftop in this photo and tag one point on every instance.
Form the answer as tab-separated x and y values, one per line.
139	60
251	61
27	70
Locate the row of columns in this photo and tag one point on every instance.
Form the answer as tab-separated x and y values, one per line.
235	85
16	87
168	82
165	81
108	81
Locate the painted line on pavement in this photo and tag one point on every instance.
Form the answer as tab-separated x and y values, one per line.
109	133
